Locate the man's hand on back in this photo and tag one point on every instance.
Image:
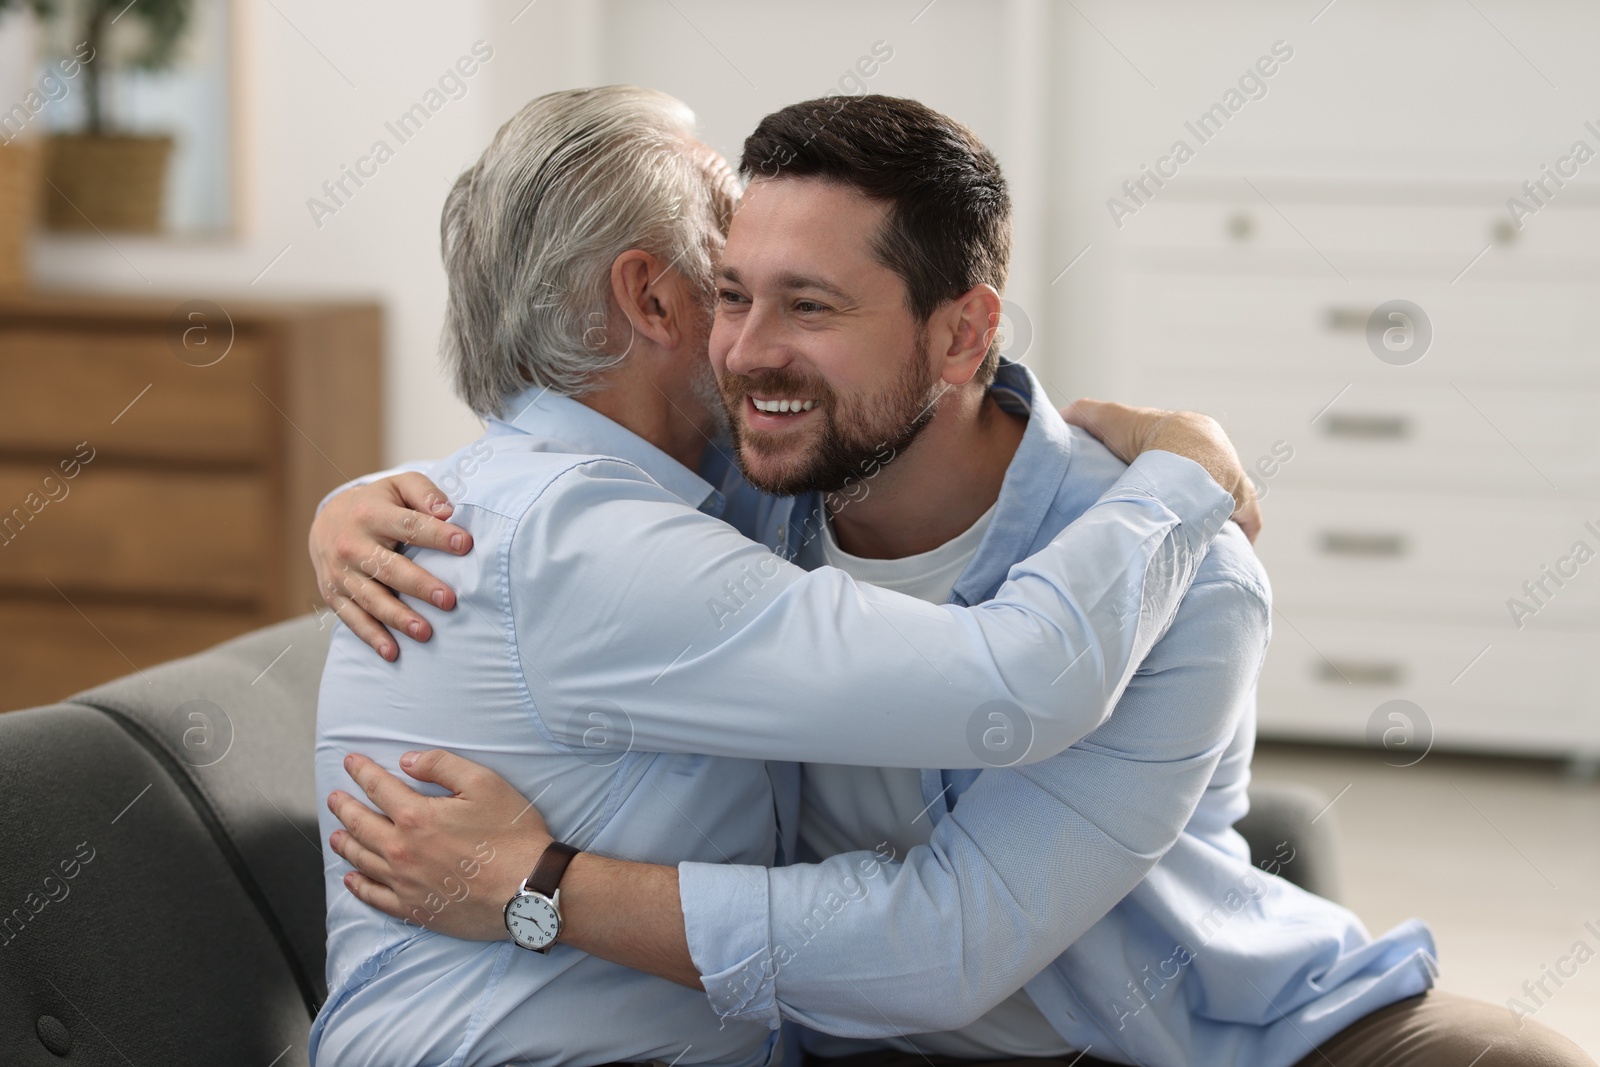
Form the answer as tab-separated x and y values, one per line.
353	542
448	863
1128	431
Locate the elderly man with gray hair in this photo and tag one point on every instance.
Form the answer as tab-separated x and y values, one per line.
581	662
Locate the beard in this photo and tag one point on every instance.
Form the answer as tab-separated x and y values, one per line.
860	434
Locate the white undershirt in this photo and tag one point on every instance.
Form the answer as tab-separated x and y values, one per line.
848	808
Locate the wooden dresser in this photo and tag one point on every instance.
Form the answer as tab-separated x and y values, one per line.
160	461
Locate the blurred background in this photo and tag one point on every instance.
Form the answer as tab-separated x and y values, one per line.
1363	235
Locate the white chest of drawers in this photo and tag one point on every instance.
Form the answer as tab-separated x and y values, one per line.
1420	503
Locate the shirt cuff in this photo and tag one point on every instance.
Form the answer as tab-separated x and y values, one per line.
1202	506
727	919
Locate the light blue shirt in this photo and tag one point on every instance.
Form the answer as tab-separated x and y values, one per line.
611	632
1107	881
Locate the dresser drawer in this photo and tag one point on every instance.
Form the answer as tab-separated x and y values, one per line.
210	414
1533	691
48	650
1290	328
1394	436
1411	555
119	530
1354	225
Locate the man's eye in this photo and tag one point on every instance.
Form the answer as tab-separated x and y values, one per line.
728	296
807	307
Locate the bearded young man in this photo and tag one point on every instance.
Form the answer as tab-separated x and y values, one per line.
1094	906
579	251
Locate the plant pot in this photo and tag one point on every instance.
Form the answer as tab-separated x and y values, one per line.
115	182
19	208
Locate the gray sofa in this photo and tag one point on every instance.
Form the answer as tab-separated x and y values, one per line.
161	896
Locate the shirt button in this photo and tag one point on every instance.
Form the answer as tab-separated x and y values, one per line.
783	533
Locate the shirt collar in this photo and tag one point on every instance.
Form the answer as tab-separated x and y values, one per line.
582	429
1031	487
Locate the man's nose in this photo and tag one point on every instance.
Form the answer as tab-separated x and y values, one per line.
760	344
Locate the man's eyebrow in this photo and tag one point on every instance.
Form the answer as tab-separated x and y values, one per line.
806	281
790	281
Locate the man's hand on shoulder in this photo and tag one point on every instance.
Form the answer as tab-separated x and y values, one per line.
1128	431
353	541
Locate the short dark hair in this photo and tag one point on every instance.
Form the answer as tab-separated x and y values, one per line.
949	222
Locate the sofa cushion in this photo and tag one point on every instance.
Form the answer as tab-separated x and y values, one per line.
125	936
1292	832
238	722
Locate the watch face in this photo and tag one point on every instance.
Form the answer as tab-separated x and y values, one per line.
532	920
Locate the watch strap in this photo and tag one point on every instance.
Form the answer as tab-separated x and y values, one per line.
546	876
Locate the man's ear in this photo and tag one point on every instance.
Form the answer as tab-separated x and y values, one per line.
966	329
650	296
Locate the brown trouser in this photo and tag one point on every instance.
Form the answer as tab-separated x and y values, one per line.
1433	1030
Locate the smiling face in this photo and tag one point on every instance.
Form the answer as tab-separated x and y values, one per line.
823	369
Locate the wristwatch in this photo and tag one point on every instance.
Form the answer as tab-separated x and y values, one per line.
533	916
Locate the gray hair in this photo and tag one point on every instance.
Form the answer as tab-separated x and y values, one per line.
530	231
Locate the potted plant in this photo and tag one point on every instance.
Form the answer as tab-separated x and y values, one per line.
101	177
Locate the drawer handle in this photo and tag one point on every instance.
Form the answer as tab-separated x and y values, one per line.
1368	427
1348	320
1360	672
1364	545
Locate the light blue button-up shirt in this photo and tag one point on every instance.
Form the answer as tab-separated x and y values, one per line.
616	645
1107	880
